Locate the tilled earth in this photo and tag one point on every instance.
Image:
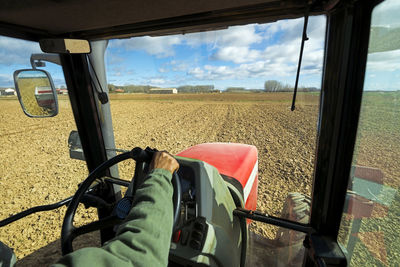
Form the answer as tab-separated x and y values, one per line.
36	169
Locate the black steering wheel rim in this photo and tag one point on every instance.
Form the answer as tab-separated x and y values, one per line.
69	231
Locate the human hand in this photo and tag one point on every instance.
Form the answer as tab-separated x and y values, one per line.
164	160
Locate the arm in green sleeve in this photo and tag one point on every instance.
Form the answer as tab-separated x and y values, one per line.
144	237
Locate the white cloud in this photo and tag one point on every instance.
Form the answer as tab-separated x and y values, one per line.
174	65
275	62
114	59
387	14
269	51
384	61
13	54
6	80
236	54
15	51
232	36
243	71
239	36
161	46
157	81
196	72
179	65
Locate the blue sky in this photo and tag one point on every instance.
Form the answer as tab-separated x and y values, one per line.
240	56
244	56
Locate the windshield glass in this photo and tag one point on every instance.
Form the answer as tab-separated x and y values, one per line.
370	231
230	86
233	85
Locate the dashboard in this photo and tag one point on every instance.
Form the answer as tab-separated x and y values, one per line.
205	217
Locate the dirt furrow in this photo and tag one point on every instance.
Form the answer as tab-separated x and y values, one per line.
37	169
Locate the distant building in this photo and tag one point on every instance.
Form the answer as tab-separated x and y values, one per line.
62	91
163	91
7	91
119	91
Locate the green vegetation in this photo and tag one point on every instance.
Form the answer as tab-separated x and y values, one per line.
384	39
146	88
129	88
378	146
269	86
196	89
276	86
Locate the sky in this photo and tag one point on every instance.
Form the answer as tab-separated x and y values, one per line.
240	56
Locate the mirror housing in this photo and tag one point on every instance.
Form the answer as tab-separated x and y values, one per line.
75	146
36	93
65	46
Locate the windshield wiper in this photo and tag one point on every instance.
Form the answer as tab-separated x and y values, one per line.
303	39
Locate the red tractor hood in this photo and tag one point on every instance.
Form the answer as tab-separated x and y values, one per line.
234	160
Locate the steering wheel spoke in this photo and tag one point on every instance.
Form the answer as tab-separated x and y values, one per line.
88	228
97	225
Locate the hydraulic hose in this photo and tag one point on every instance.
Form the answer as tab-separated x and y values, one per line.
34	210
66	201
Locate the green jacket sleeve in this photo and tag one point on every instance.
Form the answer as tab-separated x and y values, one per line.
144	237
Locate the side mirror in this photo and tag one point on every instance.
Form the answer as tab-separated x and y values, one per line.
36	93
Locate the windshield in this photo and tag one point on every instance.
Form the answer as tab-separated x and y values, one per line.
173	92
233	85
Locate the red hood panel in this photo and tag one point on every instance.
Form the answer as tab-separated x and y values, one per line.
234	160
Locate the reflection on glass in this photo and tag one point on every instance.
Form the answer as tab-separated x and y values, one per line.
370	229
36	93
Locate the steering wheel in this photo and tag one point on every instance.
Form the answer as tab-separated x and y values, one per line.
69	232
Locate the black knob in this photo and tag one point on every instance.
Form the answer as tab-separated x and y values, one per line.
199	226
197	235
195	244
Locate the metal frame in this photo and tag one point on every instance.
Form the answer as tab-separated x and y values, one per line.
84	107
346	50
343	81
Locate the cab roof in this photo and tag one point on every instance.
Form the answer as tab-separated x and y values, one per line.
105	19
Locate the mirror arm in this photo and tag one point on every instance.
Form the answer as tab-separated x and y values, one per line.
53	58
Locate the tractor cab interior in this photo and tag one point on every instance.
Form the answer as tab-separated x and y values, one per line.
217	187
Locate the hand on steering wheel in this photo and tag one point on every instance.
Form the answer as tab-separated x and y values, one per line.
161	160
164	160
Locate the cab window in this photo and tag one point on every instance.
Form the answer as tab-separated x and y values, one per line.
231	85
370	232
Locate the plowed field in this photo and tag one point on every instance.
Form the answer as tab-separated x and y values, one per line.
36	169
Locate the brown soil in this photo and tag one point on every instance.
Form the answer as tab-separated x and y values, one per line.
36	169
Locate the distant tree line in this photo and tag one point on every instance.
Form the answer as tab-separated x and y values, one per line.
235	89
276	86
195	88
146	88
269	86
130	88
